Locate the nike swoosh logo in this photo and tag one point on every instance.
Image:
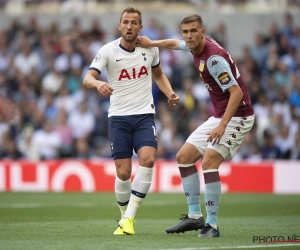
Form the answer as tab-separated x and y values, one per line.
118	60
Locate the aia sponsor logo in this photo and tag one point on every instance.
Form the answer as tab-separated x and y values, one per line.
210	203
134	74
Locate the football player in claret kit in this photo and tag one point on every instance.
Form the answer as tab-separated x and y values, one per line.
131	111
220	136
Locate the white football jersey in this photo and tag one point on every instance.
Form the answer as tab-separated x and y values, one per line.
130	74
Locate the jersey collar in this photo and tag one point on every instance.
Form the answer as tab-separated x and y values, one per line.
130	51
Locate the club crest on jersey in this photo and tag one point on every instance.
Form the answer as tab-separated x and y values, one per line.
201	66
97	57
224	78
144	55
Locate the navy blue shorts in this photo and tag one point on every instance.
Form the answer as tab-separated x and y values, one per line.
131	132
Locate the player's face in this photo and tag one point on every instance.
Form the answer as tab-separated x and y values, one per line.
130	26
192	34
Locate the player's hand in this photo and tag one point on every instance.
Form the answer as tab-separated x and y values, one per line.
105	89
143	41
216	134
173	100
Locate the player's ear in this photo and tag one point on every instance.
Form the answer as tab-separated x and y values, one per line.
141	27
202	33
119	26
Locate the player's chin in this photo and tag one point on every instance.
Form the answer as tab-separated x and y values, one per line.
129	38
191	45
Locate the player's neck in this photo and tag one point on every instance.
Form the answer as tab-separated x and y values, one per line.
128	45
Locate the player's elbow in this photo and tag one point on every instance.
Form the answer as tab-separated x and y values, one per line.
236	92
239	94
85	81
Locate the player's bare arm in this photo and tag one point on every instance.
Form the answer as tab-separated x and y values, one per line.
235	98
146	42
165	86
90	81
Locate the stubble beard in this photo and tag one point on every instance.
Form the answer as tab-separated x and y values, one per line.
129	40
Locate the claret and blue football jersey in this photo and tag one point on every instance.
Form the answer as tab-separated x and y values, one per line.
218	72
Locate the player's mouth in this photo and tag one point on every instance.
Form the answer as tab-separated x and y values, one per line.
190	43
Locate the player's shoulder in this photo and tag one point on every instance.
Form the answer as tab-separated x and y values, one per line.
214	48
153	50
111	46
216	62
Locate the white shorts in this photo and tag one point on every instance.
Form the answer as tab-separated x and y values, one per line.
235	133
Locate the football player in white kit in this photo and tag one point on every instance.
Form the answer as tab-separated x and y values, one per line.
131	112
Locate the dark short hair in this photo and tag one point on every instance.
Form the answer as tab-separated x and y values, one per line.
132	10
192	18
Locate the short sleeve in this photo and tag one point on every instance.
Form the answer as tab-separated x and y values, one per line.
182	46
100	61
155	61
220	70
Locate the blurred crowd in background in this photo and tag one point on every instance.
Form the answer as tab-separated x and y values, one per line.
227	6
41	71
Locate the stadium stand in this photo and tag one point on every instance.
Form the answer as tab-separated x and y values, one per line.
41	70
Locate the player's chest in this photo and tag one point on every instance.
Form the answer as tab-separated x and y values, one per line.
132	66
201	66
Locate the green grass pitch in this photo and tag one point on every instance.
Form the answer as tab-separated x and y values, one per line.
87	221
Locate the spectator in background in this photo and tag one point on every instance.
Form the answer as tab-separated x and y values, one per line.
281	106
259	51
295	151
64	100
273	35
288	26
269	150
26	59
84	128
284	142
65	133
26	145
262	110
10	149
219	35
47	140
53	79
151	29
294	97
6	54
68	59
82	149
255	154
